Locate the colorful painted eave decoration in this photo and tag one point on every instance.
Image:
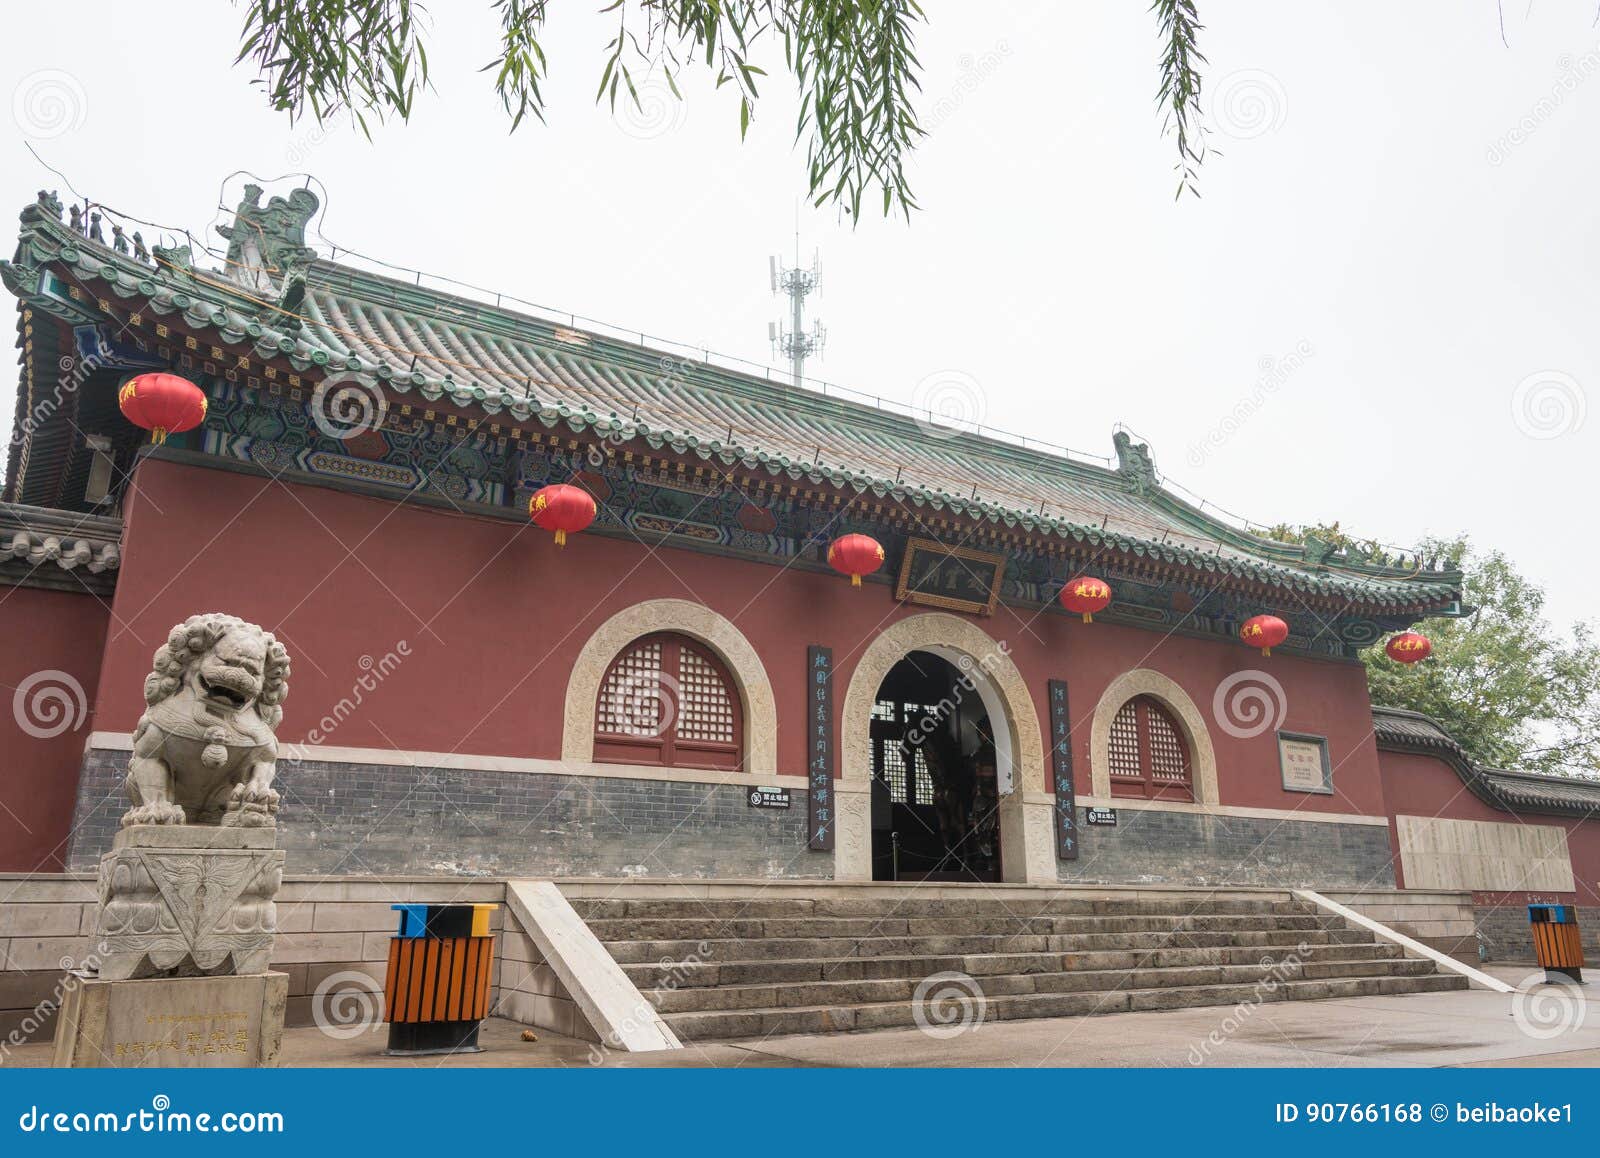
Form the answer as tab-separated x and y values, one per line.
202	303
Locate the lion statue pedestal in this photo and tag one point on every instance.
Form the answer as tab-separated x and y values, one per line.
186	922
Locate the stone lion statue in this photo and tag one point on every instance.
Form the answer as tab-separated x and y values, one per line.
205	750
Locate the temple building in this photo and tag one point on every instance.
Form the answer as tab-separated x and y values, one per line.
687	688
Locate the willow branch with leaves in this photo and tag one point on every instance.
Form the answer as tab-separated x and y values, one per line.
854	63
1180	87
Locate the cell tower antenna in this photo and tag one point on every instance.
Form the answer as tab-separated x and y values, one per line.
792	339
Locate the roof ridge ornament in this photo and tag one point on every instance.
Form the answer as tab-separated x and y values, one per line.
1134	463
264	243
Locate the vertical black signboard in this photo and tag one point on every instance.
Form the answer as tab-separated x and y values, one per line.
1061	764
819	747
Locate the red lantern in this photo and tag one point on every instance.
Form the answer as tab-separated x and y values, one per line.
1408	647
1265	632
1086	595
163	404
561	507
855	556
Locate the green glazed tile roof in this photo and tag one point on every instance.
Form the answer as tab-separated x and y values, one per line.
424	345
1400	730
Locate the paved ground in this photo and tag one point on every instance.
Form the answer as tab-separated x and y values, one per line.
1470	1028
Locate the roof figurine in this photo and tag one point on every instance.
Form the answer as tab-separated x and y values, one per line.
1134	463
263	243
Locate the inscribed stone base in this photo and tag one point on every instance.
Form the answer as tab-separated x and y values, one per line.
181	1022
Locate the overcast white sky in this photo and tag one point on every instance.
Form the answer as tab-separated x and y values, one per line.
1399	193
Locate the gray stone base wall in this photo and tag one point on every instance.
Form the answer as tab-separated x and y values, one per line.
366	819
1503	930
1147	846
333	942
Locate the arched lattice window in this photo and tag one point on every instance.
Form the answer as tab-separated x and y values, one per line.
1149	755
668	700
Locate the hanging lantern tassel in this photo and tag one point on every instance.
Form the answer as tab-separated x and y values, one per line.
855	556
561	508
1265	632
1409	647
163	404
1085	595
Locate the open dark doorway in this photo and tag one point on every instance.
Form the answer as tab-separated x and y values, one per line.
935	796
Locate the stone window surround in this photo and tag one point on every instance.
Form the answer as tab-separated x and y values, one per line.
1163	689
700	623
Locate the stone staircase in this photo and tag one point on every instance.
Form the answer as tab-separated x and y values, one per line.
731	967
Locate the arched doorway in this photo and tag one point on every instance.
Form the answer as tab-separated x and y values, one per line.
1025	808
935	782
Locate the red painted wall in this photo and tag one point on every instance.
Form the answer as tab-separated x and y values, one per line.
493	615
53	643
1416	785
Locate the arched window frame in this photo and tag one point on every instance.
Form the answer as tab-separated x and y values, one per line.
1145	738
685	664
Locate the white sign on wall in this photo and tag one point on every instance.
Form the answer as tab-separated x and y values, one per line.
1304	763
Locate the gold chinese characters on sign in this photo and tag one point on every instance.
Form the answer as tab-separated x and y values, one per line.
954	578
190	1034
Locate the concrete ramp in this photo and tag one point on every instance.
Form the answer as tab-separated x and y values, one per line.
1409	945
617	1013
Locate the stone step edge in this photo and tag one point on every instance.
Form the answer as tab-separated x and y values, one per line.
605	923
775	961
1413	948
980	978
1173	933
1018	998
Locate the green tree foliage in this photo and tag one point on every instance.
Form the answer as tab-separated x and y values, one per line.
853	61
1515	692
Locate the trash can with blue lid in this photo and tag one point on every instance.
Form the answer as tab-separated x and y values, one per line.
1557	941
441	966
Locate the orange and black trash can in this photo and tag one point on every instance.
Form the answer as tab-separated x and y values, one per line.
1556	940
441	963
